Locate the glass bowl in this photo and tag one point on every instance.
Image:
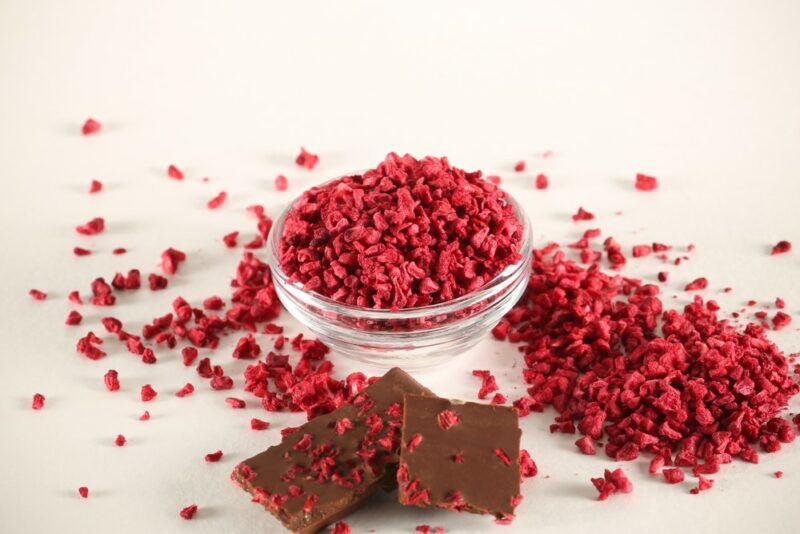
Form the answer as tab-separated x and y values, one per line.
411	337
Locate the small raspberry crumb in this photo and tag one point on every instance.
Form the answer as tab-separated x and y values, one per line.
697	284
780	320
780	303
111	380
120	441
586	445
174	172
74	297
703	485
91	126
83	491
458	458
281	183
447	419
37	295
674	475
663	276
148	393
213	456
341	528
258	424
656	463
119	250
95	226
527	467
640	251
306	159
217	201
500	453
188	512
646	183
80	251
778	474
230	239
414	442
73	318
235	403
189	355
171	259
582	215
38	401
781	247
494	179
145	416
498	399
187	389
95	187
519	166
542	182
488	383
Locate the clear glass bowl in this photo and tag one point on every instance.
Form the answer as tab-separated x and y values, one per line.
411	337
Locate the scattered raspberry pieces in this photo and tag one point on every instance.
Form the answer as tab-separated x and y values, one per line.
145	416
646	183
494	179
120	440
778	474
95	186
235	403
73	318
542	182
341	528
38	401
612	482
213	456
189	355
119	250
702	485
230	239
527	467
306	159
111	380
586	445
74	297
582	215
80	251
186	390
246	348
171	259
258	424
217	201
174	172
674	475
781	320
519	166
697	284
188	512
90	127
281	183
148	393
83	491
640	251
95	226
37	295
488	383
781	247
447	419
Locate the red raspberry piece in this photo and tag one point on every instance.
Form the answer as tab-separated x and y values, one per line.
494	179
145	416
38	401
189	354
702	485
94	226
157	282
90	127
341	528
306	159
188	512
171	259
79	251
37	295
213	456
73	318
781	320
187	389
74	297
174	172
217	201
582	215
230	239
246	348
645	182
586	445
120	440
414	442
697	284
148	393
542	182
111	380
95	186
781	247
119	250
503	456
519	166
83	491
235	403
447	419
281	183
258	424
674	475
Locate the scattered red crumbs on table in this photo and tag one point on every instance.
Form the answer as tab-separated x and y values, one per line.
235	403
148	393
781	247
582	215
119	250
674	475
213	456
645	182
111	380
230	239
586	445
696	285
174	172
640	251
258	424
427	529
703	484
281	183
612	482
94	226
120	440
217	201
171	259
781	320
488	383
83	491
90	126
37	295
145	416
73	318
79	251
188	512
306	159
340	528
780	303
38	401
542	182
778	474
187	389
519	166
527	467
95	186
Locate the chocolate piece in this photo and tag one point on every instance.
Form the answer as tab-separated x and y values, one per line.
332	464
459	455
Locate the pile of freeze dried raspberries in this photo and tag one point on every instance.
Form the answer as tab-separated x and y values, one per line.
684	386
408	233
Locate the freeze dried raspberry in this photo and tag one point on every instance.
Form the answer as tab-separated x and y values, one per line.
235	403
221	382
189	354
494	179
157	282
213	303
586	445
646	183
342	425
640	251
174	172
37	295
778	474
582	215
488	383
542	182
119	250
148	393
447	419
674	475
519	166
80	251
217	201
230	239
702	485
213	456
87	346
780	303
171	259
94	226
781	247
781	320
246	348
188	512
83	491
90	127
498	399
527	467
74	297
38	401
145	416
414	442
111	380
258	424
281	183
612	482
502	456
306	159
187	389
73	318
663	276
697	284
95	186
120	440
340	528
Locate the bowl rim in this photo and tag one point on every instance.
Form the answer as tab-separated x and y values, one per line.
496	284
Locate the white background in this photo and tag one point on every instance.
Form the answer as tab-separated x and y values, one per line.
704	95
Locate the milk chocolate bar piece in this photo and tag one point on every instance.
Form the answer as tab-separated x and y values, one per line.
461	456
333	463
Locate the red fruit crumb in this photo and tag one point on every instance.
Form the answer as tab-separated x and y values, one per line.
95	187
488	383
458	457
697	284
174	172
230	239
213	303
702	485
519	166
187	389
213	456
414	442
246	348
781	247
582	215
145	416
447	419
111	380
90	126
281	183
500	453
73	318
663	276
645	182
306	159
148	393
674	475
188	512
342	425
778	474
83	491
542	182
120	440
640	251
612	482
80	251
586	445
235	403
258	424
341	528
95	226
780	303
74	297
37	295
171	259
189	354
498	399
527	467
781	320
217	201
38	401
119	250
494	179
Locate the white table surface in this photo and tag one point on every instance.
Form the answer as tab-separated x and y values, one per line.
704	95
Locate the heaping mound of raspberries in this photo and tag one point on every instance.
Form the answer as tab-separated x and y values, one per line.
684	386
408	233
